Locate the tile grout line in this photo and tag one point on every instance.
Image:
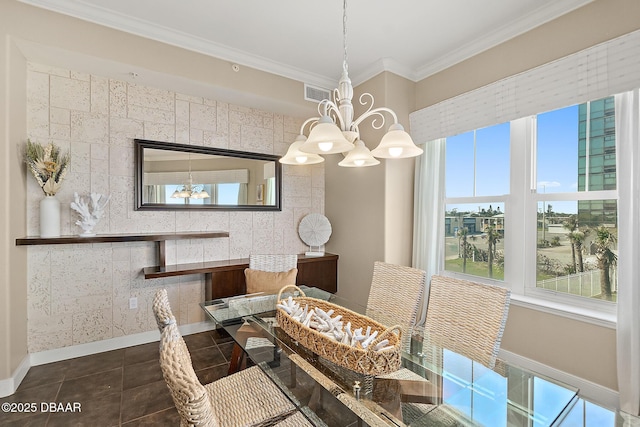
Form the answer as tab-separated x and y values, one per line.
143	356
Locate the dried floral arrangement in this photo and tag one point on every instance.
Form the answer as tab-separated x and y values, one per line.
47	164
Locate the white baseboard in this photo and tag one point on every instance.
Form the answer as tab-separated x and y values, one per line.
10	385
591	391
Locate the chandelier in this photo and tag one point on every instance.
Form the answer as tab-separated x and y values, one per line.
337	131
189	190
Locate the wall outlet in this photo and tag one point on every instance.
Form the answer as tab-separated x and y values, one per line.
133	303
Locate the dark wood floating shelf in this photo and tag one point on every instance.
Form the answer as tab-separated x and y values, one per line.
194	268
222	278
226	278
111	238
161	238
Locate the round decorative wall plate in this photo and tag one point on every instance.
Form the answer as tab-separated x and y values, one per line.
315	230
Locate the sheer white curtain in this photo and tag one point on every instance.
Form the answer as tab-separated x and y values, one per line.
628	172
270	196
243	191
428	215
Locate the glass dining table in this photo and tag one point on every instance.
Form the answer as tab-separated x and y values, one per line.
434	386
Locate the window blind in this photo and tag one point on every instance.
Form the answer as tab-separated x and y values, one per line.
596	72
199	177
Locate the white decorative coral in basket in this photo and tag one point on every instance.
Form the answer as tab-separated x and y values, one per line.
331	327
90	211
318	326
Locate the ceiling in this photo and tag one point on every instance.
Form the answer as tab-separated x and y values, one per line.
303	40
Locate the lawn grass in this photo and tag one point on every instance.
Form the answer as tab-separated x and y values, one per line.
480	269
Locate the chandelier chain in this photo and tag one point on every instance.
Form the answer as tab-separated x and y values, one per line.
337	131
344	34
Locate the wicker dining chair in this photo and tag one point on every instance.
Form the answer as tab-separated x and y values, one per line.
467	317
248	397
270	273
273	262
162	309
395	295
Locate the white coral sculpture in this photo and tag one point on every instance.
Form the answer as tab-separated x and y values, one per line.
90	211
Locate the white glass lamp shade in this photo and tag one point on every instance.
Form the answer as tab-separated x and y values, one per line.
200	195
396	144
176	194
359	157
296	157
326	138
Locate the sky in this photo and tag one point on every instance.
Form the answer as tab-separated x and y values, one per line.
557	133
227	194
557	142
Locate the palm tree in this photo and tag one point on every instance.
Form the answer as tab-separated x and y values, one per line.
462	234
579	237
606	258
493	237
571	224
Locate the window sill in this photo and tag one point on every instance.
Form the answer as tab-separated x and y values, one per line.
581	314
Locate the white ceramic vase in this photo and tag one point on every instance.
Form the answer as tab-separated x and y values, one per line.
49	217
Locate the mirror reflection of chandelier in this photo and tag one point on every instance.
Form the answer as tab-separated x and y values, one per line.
190	190
337	130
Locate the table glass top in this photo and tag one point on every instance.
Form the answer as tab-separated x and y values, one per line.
435	386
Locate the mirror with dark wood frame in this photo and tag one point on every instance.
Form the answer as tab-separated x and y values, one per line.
172	176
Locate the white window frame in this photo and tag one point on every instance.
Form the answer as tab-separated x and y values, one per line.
596	72
521	228
520	208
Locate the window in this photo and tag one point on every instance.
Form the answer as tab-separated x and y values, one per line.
477	182
533	203
228	194
576	231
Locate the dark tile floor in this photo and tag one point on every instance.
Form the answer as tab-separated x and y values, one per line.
116	388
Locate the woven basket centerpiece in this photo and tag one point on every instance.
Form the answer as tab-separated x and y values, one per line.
342	336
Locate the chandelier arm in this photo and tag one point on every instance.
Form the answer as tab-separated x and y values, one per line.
322	107
366	102
306	122
377	113
370	103
331	107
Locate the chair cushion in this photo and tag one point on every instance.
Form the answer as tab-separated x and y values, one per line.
267	281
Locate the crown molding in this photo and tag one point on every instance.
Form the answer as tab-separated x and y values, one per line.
382	65
142	28
71	60
528	22
146	29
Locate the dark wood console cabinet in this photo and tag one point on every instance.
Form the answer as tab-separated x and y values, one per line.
226	278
